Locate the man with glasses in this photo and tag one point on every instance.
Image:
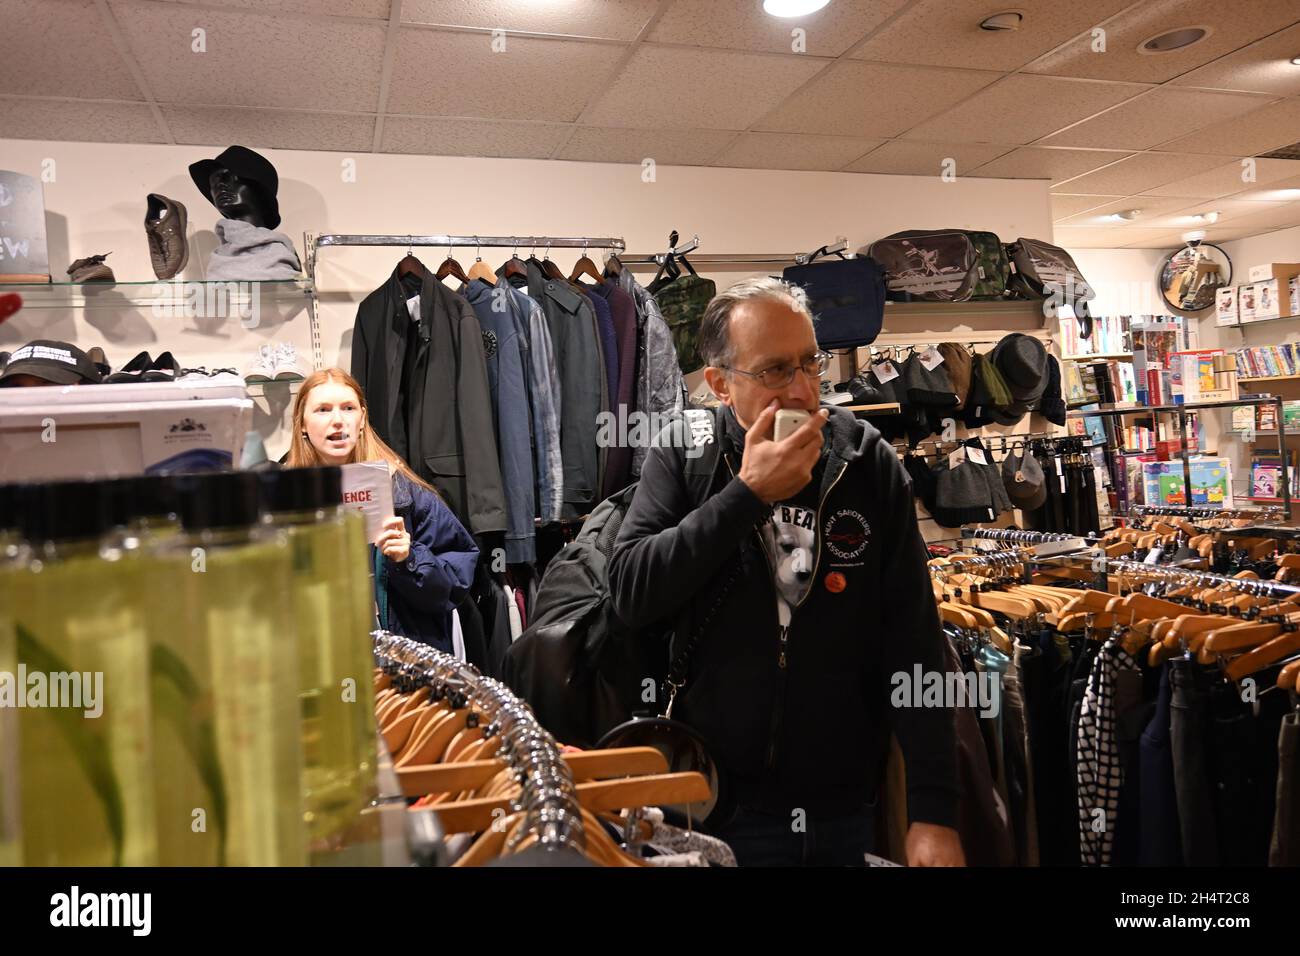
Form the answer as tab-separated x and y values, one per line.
801	586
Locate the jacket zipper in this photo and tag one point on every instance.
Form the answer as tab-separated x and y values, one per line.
782	663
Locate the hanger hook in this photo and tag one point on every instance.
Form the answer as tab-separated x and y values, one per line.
477	249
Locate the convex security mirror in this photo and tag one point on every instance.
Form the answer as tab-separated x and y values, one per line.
1189	277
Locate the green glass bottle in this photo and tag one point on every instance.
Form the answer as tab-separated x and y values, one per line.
240	590
85	766
307	504
13	556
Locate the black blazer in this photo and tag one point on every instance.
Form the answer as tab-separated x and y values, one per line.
448	438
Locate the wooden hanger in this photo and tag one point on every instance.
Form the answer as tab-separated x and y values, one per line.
417	780
1286	644
1237	637
549	268
1090	600
409	265
481	270
473	816
450	267
585	267
1289	676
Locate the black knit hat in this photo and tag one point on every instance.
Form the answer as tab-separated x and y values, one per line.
923	479
928	386
1052	405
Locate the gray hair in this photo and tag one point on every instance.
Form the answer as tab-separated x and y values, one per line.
714	342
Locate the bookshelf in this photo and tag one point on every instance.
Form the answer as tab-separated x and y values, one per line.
1100	357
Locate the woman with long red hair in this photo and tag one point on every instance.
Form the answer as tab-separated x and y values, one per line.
424	559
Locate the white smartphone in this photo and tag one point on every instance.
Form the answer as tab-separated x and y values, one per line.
788	421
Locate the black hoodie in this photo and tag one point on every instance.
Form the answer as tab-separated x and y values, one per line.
804	723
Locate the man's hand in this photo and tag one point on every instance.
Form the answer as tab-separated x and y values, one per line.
929	844
776	470
394	542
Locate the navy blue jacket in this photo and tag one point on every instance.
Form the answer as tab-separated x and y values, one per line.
416	597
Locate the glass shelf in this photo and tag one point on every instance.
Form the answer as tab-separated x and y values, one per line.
169	298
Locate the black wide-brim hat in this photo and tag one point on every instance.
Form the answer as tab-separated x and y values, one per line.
247	165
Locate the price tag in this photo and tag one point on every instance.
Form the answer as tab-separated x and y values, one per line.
976	456
885	372
931	358
956	457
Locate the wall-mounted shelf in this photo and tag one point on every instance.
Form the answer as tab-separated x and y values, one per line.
1023	308
1099	358
1249	322
170	298
1270	378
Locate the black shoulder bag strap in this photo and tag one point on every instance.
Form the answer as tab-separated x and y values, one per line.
707	429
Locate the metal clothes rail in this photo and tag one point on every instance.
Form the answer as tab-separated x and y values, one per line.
549	796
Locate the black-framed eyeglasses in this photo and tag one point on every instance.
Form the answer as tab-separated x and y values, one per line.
779	376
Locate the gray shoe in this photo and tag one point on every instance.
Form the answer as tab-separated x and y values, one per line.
164	224
91	269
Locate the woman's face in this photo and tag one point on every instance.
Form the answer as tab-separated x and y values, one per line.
333	419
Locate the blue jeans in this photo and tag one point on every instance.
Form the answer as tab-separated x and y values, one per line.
761	839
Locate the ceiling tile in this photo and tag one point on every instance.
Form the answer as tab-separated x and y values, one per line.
252	59
670	147
610	19
1267	128
1226	179
1001	112
457	74
1064	205
742	25
1263	67
1232	25
1280	214
1228	210
375	9
794	151
849	98
81	122
947	33
448	137
60	48
1100	237
1149	209
1034	162
1282	190
1227	234
272	129
1159	116
1165	240
909	158
725	91
1140	173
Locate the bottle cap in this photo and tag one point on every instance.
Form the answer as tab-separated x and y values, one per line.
218	500
64	510
301	489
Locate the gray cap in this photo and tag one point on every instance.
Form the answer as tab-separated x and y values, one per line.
1023	478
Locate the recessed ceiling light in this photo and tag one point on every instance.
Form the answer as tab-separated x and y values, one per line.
1295	61
1174	40
1207	217
1127	215
1195	236
1010	20
793	8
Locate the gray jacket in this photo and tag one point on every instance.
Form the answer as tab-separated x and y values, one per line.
505	350
444	428
544	397
572	324
659	384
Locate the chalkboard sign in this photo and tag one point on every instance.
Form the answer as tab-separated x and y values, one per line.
24	256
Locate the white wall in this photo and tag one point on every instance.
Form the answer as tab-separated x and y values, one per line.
95	202
1124	279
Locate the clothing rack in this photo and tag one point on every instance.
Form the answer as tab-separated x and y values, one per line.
1249	585
313	243
733	259
1046	544
1182	511
549	795
1003	440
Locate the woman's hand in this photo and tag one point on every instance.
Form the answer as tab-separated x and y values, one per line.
394	542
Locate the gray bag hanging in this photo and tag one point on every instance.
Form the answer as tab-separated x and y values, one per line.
933	265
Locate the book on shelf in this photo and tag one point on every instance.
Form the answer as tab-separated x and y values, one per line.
1291	416
1243	418
1265	418
1271	462
1074	393
1268	361
1265	480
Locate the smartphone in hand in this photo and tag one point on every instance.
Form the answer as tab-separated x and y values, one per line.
788	421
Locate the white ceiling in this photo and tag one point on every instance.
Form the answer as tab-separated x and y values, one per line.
882	86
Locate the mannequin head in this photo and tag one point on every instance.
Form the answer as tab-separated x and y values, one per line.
237	198
242	184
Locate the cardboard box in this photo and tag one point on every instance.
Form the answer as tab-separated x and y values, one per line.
1267	300
1225	309
1246	303
40	441
1273	270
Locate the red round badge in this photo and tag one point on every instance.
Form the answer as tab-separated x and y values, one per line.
835	582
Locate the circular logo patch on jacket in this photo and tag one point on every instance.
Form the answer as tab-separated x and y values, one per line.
836	582
489	344
847	533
